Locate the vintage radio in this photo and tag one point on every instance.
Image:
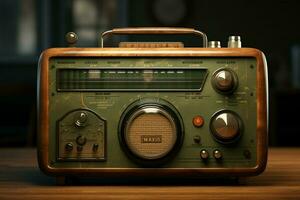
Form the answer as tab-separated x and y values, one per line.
154	109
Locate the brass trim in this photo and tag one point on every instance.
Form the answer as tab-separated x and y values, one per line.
153	31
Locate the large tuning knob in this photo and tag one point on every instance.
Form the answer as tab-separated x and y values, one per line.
224	81
226	126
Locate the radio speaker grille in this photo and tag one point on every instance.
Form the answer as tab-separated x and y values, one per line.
151	135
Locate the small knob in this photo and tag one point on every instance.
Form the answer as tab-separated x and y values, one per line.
197	139
217	154
71	39
95	147
226	126
79	148
224	81
80	119
214	44
204	154
234	42
81	140
69	147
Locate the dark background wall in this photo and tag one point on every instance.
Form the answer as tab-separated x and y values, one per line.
29	26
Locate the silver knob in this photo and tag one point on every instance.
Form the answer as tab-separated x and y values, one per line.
217	154
226	126
71	39
204	154
234	42
214	44
224	81
81	119
69	147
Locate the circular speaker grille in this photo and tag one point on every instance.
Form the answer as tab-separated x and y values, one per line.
150	133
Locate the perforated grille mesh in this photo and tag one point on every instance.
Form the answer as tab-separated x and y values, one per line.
151	135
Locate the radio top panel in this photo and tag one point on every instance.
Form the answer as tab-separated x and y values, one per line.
154	108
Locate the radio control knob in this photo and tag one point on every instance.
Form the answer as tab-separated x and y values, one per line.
226	126
214	44
234	41
95	147
204	154
197	139
80	119
79	148
69	147
71	38
81	140
217	154
224	81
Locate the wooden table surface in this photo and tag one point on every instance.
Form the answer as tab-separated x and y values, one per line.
20	178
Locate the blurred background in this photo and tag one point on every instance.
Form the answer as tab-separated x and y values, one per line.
29	26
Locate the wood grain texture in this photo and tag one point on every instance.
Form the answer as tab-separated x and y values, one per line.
20	178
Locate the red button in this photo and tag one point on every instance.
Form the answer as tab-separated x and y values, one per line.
198	121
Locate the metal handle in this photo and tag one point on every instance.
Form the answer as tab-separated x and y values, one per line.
153	30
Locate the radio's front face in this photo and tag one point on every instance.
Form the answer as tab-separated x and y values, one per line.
152	112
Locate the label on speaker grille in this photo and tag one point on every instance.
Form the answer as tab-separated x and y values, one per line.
151	138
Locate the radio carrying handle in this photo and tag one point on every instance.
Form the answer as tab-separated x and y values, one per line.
154	31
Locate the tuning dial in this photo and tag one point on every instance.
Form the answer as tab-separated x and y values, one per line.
226	126
224	80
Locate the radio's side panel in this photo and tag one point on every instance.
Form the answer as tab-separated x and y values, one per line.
42	112
262	111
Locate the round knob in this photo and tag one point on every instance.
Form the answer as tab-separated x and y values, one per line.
81	140
204	154
69	147
95	147
224	81
80	119
197	139
214	44
234	42
71	38
217	154
226	126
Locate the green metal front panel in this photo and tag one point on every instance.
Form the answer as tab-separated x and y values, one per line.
109	106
